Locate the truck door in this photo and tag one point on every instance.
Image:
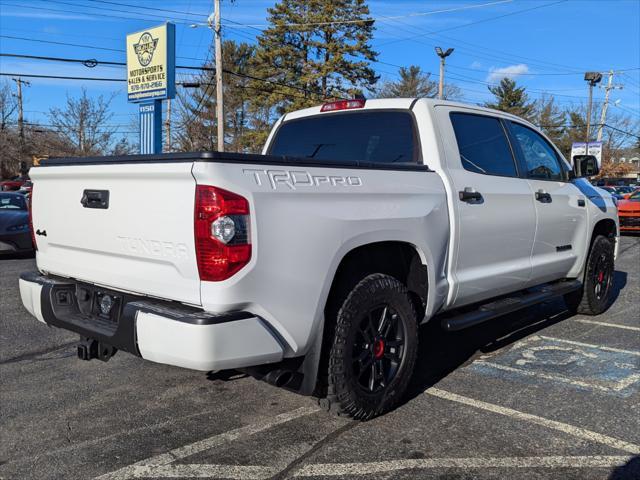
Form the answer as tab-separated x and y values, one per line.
494	208
560	207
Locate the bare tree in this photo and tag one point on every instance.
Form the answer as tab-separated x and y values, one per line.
83	122
8	105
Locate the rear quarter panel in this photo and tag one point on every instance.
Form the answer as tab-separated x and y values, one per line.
304	220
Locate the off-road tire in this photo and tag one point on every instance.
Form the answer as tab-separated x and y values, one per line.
595	295
344	394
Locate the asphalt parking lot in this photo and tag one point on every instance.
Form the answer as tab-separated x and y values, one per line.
538	394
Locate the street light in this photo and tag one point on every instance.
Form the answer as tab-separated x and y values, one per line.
442	55
593	78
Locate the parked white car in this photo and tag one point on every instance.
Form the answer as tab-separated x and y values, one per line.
313	264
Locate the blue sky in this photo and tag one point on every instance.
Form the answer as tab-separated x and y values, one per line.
546	45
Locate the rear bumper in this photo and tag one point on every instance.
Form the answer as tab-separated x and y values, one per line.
162	332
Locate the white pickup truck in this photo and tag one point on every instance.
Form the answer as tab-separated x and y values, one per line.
315	263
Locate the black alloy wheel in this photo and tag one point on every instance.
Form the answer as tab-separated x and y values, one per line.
378	351
595	295
374	348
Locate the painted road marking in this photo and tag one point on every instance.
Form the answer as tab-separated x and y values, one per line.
342	469
240	472
580	365
590	345
558	378
208	443
527	417
605	324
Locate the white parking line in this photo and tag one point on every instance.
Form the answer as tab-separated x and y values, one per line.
590	345
240	472
527	417
342	469
605	324
207	443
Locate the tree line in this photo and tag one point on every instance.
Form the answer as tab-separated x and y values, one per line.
313	51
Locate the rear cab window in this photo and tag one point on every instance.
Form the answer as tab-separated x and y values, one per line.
376	136
483	145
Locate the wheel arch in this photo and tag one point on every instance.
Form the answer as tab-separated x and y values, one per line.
357	263
606	227
399	259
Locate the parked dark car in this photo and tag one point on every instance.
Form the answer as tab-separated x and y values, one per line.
15	232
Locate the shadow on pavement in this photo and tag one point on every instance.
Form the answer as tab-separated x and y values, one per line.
441	352
223	376
17	256
628	471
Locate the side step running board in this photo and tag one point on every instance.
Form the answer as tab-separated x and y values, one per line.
506	305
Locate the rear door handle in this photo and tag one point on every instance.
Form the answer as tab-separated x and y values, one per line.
470	196
543	197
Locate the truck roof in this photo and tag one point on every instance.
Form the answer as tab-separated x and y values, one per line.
401	104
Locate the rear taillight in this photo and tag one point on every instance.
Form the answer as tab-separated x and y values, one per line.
221	226
33	233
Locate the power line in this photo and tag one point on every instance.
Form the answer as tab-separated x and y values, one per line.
145	14
97	14
208	69
622	131
66	44
154	8
92	47
91	62
87	13
370	19
61	77
488	19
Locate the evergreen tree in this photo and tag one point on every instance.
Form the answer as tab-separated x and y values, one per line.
551	119
511	98
414	83
576	130
325	55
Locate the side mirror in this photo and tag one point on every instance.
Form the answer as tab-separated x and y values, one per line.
585	166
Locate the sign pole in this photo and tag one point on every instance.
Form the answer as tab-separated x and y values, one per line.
151	127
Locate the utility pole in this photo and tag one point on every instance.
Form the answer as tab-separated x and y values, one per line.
214	24
442	56
593	78
167	127
21	82
603	115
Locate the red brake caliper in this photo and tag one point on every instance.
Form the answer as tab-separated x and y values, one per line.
378	349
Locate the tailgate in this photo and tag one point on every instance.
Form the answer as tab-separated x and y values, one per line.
142	242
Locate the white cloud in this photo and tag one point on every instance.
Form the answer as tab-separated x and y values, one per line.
476	65
512	71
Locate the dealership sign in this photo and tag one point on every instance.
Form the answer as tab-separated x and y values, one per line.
151	64
591	148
